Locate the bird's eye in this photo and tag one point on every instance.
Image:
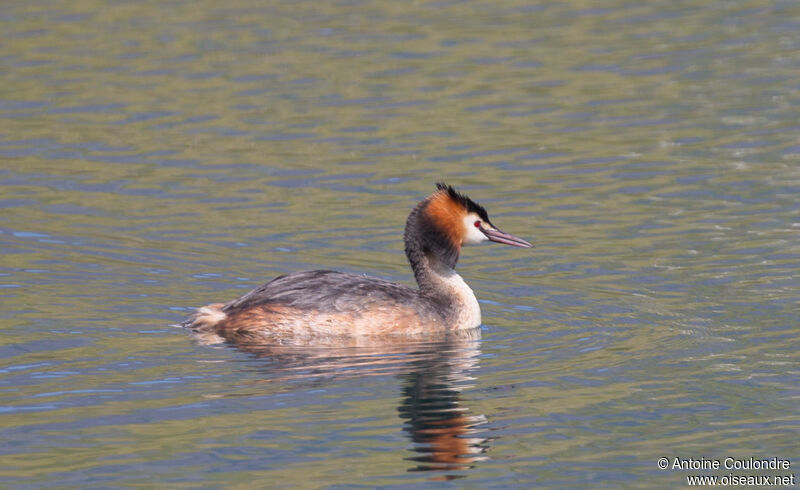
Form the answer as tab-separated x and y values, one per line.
478	224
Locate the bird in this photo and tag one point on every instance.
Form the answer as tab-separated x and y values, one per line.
323	305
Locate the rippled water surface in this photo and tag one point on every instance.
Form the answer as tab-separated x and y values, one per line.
156	156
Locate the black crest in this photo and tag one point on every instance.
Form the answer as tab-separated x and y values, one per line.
470	205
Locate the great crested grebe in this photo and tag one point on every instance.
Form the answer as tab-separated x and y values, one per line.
321	304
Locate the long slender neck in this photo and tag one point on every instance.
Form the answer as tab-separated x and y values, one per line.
430	257
429	272
434	270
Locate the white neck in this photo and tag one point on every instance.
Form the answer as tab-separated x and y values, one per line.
467	311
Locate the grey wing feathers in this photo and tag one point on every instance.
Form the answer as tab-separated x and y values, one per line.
324	291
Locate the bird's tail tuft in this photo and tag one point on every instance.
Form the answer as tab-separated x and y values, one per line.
204	321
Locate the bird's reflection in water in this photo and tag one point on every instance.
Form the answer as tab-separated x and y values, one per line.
433	371
441	428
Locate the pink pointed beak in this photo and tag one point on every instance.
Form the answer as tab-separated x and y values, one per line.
498	236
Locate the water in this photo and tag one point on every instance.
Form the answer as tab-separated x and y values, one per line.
158	156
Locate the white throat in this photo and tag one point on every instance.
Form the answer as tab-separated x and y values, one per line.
468	311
